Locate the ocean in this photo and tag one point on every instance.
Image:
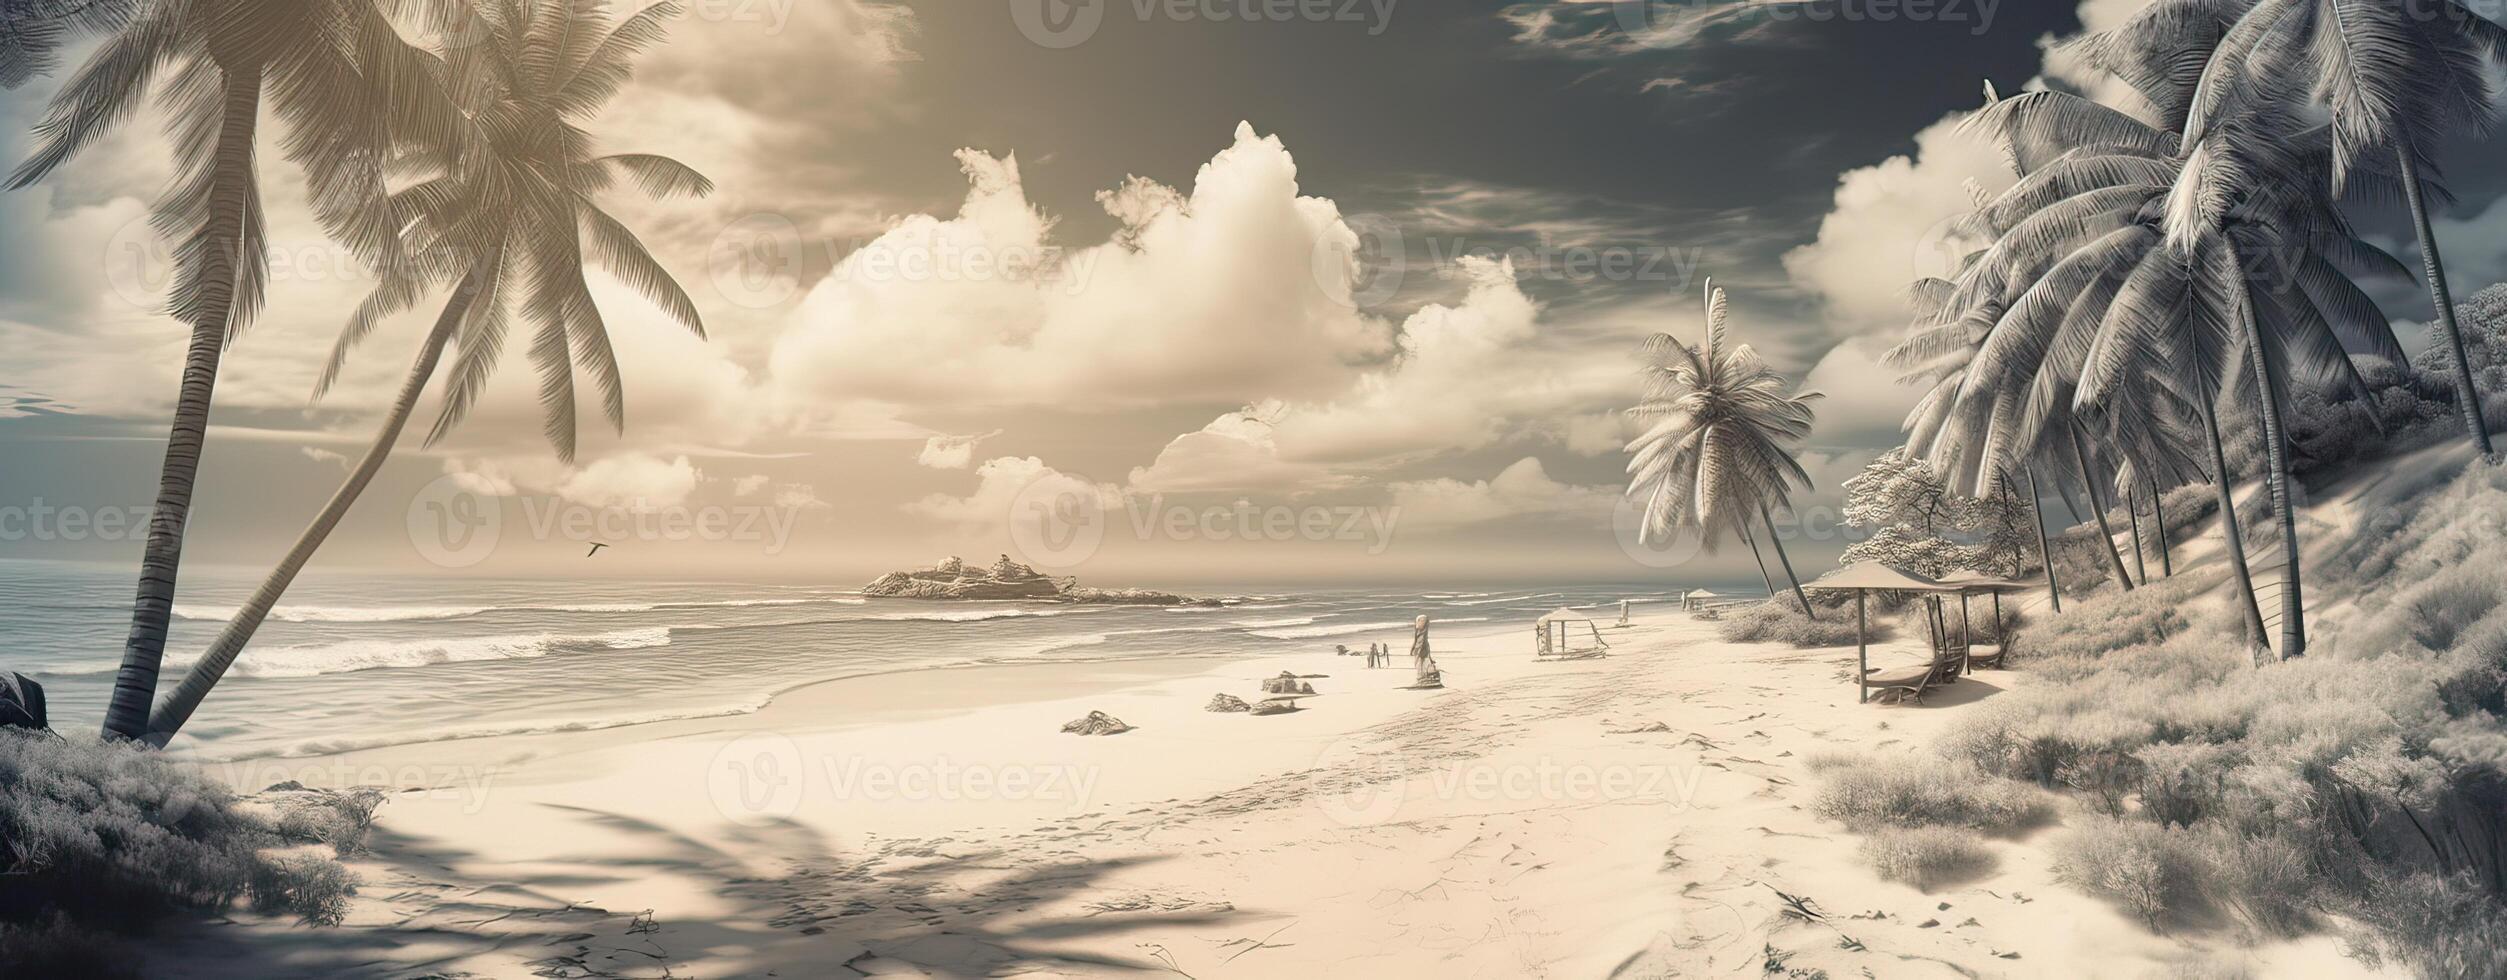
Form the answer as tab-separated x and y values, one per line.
360	661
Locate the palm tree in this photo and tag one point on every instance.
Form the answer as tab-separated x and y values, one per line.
2397	79
1714	450
347	85
503	222
32	34
2116	291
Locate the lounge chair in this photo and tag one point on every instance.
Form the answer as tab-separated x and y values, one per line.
1910	683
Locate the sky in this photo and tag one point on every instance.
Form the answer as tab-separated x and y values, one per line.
1147	292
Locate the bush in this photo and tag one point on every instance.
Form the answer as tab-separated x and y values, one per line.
1925	857
1780	620
309	887
105	837
1873	793
2368	778
339	819
2437	926
2146	868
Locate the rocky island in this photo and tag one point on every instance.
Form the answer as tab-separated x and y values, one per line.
953	578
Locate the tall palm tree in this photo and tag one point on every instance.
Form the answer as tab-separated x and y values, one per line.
2116	288
347	85
2398	78
1715	449
503	222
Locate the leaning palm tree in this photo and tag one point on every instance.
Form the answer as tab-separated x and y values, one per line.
504	222
2115	292
1715	448
347	86
2397	78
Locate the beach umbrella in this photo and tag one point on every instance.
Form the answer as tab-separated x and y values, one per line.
1971	582
1863	578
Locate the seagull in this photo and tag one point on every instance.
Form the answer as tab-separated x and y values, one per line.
596	548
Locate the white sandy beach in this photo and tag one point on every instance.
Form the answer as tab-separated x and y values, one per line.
938	823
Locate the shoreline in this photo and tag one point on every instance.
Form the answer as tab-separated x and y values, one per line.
1080	671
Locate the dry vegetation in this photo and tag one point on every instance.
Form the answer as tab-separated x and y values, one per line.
2364	780
103	840
1780	620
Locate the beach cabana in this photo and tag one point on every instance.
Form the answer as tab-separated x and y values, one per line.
1973	583
1557	636
1864	578
1697	599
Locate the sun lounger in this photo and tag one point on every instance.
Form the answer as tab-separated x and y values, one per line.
1910	683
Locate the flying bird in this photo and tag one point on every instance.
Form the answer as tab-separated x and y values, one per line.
596	548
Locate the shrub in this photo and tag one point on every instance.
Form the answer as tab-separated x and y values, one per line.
2146	868
307	886
104	837
1915	791
1925	857
1780	620
2438	926
340	819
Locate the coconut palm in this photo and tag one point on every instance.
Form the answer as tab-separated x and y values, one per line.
1714	450
504	222
346	85
2116	292
32	33
2397	78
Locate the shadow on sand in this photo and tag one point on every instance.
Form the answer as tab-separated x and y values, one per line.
821	911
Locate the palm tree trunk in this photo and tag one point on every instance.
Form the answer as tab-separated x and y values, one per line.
2433	269
2141	552
2045	550
2228	525
1781	559
179	704
2276	456
2159	518
211	310
2098	507
1752	540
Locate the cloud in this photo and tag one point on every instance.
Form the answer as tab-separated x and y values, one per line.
1468	376
321	455
1889	227
1240	290
1237	451
748	486
946	452
1523	489
1888	224
799	496
626	481
1001	486
1607	29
